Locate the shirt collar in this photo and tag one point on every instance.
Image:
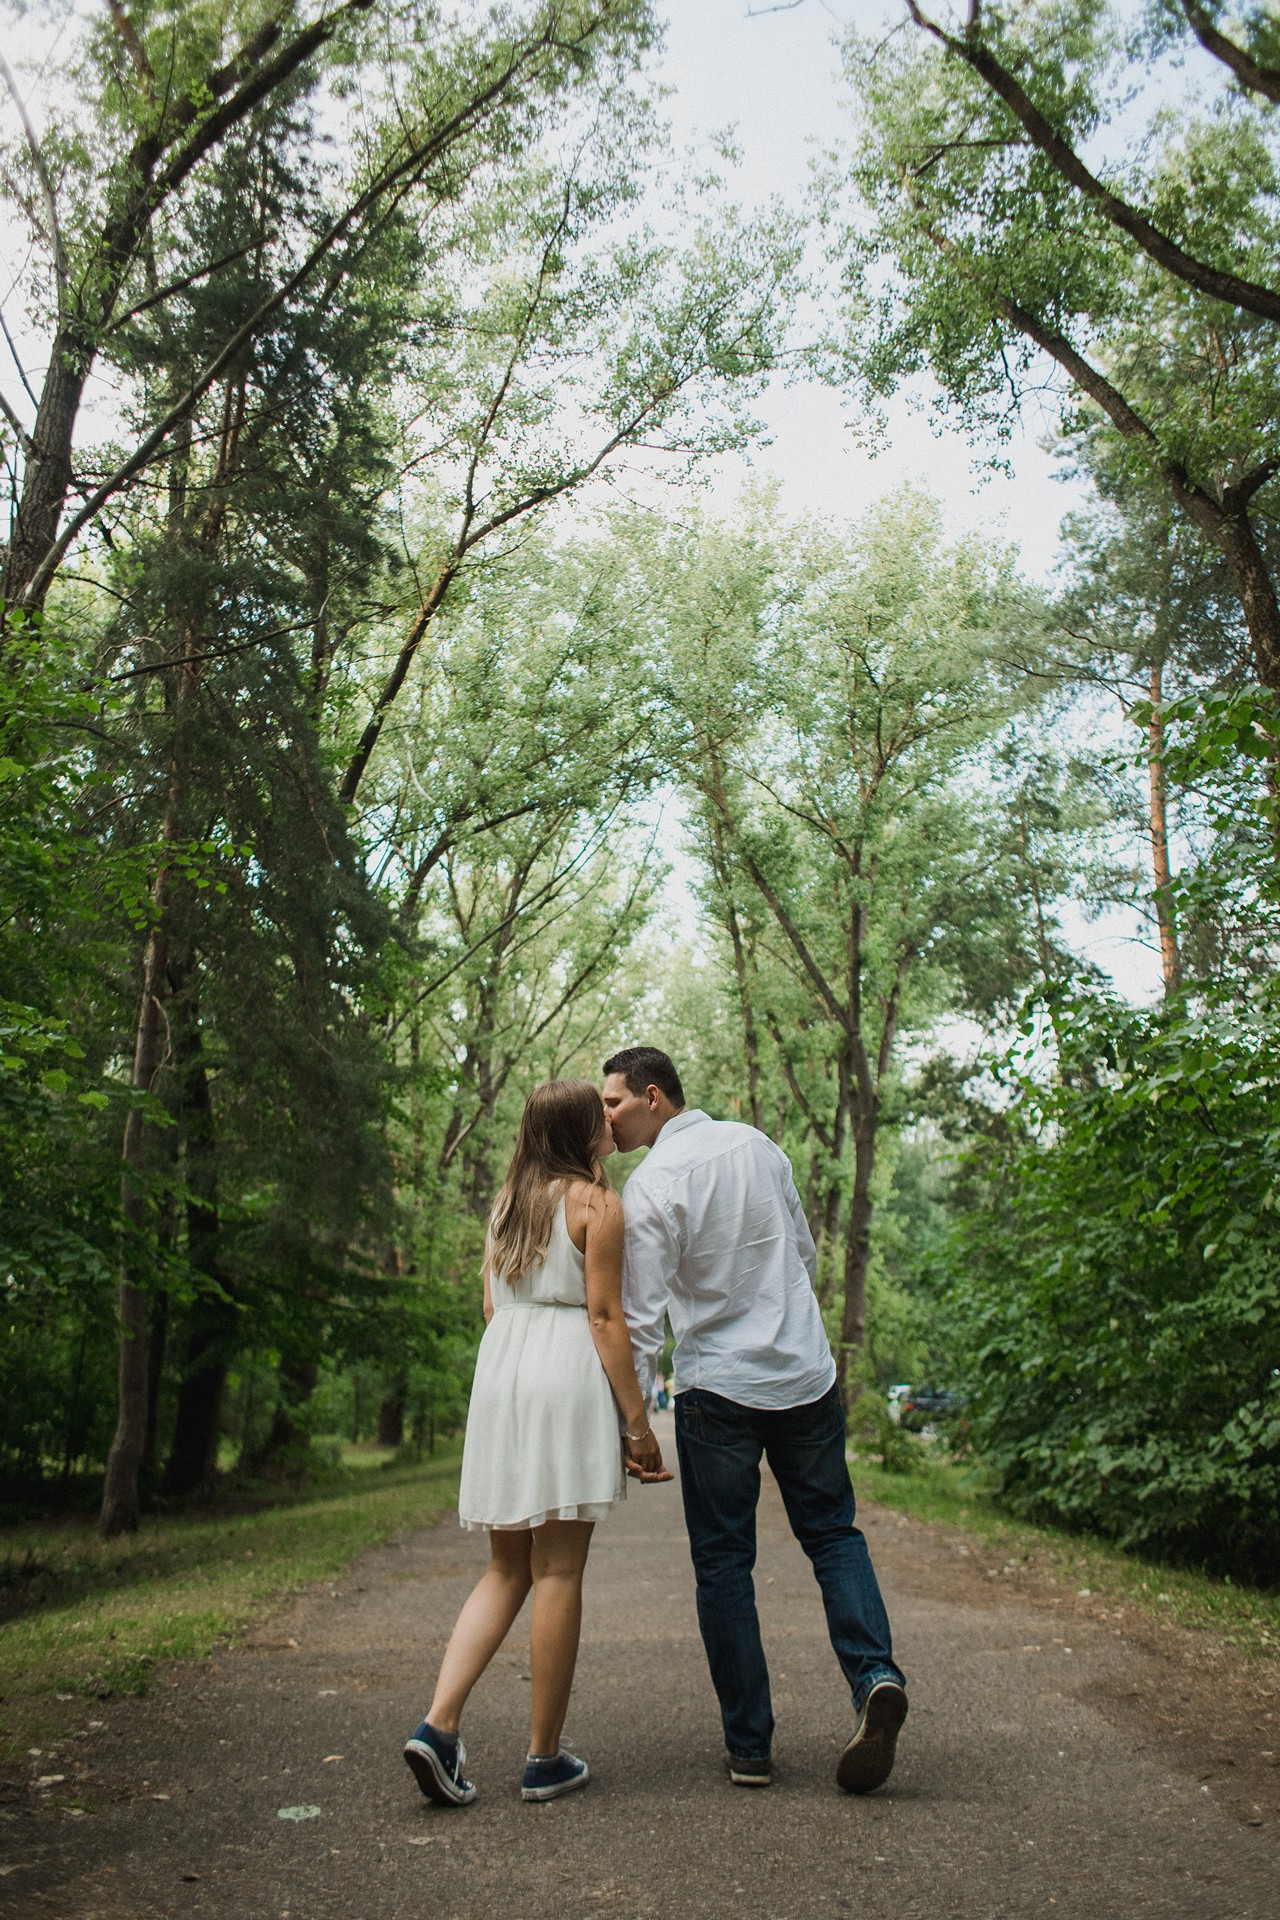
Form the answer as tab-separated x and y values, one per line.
679	1121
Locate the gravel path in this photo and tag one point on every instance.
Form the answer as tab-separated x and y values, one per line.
1055	1762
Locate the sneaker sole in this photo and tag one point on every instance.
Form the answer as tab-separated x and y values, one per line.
750	1779
867	1761
426	1768
554	1792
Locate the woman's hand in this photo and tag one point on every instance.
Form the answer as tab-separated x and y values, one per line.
643	1456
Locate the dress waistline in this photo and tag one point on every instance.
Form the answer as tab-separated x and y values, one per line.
570	1306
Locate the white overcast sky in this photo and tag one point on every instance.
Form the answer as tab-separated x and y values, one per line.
774	77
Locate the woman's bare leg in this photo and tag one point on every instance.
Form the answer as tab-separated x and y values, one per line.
484	1623
557	1562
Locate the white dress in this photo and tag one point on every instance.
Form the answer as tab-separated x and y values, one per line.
543	1435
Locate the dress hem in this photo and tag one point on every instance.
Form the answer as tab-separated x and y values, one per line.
584	1510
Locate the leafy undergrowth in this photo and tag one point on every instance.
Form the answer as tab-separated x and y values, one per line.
85	1618
954	1494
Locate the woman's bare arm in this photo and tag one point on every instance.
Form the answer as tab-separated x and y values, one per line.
600	1212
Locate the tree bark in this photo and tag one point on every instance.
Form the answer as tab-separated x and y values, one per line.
391	1416
1170	958
297	1384
857	1251
121	1508
157	1344
193	1454
1251	73
47	478
1234	535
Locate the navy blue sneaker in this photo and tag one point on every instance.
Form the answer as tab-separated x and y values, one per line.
548	1779
436	1763
867	1761
748	1773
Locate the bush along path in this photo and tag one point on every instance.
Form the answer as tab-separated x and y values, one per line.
1056	1760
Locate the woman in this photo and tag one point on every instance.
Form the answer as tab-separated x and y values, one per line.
542	1460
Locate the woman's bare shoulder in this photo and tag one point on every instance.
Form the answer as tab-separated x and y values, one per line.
600	1203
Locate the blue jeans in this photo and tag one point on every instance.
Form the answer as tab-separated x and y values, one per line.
719	1444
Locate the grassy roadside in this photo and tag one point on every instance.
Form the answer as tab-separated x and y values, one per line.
84	1618
949	1494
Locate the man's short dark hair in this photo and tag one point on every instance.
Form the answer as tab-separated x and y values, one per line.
643	1067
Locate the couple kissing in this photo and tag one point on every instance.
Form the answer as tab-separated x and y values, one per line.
578	1282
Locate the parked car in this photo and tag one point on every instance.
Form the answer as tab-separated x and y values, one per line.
895	1395
922	1407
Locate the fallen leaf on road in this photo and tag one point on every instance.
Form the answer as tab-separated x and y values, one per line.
51	1779
297	1813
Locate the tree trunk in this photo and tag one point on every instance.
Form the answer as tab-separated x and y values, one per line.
157	1342
1170	958
750	1034
48	469
724	878
193	1454
1249	569
297	1384
73	1431
391	1416
120	1499
857	1250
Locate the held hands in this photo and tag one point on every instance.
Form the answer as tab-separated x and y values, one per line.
642	1456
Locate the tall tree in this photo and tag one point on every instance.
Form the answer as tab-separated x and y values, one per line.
1144	283
841	802
162	91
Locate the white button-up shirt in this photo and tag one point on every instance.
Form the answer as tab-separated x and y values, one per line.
716	1236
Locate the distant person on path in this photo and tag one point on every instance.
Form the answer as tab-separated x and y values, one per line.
716	1236
543	1456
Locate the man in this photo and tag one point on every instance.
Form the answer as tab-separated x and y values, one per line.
716	1236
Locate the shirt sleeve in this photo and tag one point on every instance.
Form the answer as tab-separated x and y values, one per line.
650	1259
804	1239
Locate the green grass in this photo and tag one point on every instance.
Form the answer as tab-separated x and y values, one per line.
86	1618
951	1494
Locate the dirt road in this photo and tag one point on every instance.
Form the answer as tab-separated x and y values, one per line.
1055	1762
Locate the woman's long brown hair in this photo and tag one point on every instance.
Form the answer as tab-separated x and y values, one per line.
557	1143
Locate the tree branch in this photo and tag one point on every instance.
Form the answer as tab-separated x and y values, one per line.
1206	512
23	437
1249	72
42	175
420	157
823	1134
1158	246
187	280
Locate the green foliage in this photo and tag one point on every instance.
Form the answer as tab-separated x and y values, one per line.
1115	1296
988	253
